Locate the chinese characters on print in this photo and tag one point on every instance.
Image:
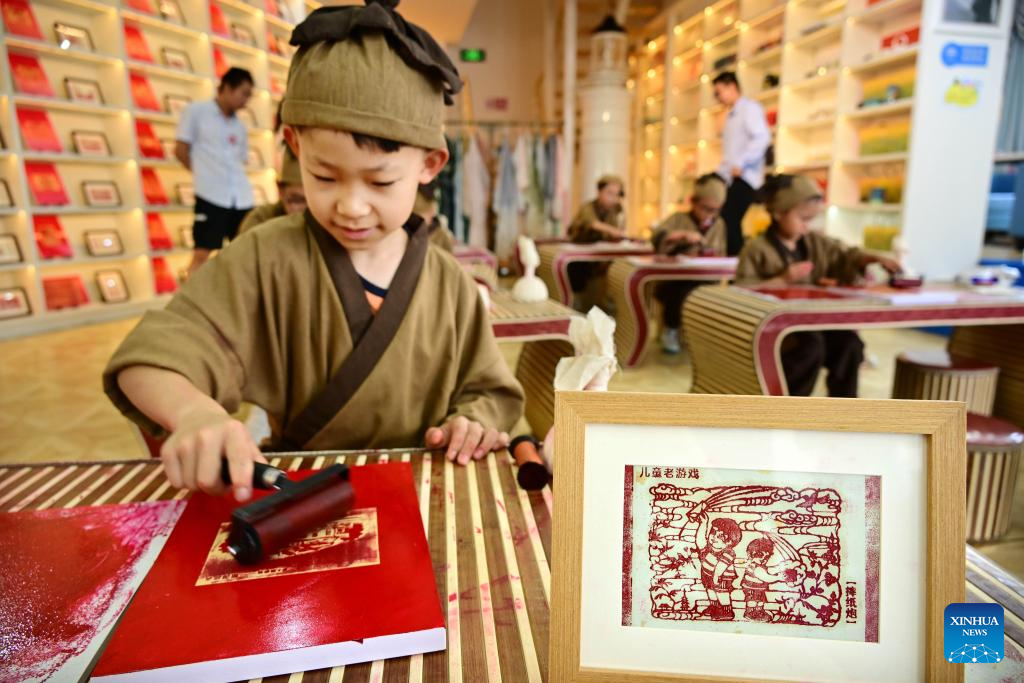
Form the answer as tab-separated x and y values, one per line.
773	553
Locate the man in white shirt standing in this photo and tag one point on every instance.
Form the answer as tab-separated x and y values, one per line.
745	139
213	143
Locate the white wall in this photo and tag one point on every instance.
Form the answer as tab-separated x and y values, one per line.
512	35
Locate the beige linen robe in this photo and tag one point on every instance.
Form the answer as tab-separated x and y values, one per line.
712	240
264	323
761	260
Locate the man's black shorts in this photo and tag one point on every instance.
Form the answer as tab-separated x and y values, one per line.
213	223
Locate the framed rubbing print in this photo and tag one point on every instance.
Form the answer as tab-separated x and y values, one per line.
175	104
112	286
176	59
243	34
169	145
90	143
83	90
744	525
186	194
10	250
103	243
73	36
101	193
14	303
170	10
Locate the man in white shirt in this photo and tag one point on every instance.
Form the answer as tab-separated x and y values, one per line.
213	143
745	139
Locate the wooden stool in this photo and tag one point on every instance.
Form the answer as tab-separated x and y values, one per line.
536	372
938	376
994	450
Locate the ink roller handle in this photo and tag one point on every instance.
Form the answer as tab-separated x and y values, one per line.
264	476
260	529
533	475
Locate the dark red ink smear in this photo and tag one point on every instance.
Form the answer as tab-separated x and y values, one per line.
62	571
627	548
872	539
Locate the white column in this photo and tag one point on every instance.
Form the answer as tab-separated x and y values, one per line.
604	133
569	104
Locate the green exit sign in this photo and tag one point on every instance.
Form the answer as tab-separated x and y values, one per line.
473	55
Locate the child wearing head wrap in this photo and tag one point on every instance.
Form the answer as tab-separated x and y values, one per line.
291	196
342	322
789	252
697	232
603	219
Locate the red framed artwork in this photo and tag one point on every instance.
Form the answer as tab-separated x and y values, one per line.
19	18
135	43
65	291
29	75
163	277
51	240
159	239
220	63
145	6
152	188
142	92
218	23
37	131
45	184
149	144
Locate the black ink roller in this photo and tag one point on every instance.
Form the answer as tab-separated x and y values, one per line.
263	527
533	474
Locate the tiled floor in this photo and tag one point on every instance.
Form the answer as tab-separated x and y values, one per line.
52	406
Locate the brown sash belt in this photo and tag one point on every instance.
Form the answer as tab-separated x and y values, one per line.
371	334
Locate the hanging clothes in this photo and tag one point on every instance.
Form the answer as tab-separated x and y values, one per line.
536	221
450	185
476	193
506	202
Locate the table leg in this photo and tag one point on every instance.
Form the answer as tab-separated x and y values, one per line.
536	372
721	344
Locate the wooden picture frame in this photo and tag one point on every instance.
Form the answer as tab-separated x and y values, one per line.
69	35
254	159
243	34
187	239
612	622
83	90
90	143
101	193
14	303
103	242
170	10
176	59
186	193
176	104
113	288
10	250
169	145
6	200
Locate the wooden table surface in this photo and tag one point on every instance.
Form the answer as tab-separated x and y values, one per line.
513	320
490	543
555	259
734	335
629	281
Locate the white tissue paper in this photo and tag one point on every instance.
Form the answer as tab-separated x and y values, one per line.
529	288
590	369
593	338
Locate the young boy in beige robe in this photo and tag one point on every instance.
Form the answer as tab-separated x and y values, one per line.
292	198
789	252
342	322
602	219
697	232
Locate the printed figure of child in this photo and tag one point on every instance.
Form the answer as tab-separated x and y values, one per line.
758	576
718	568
